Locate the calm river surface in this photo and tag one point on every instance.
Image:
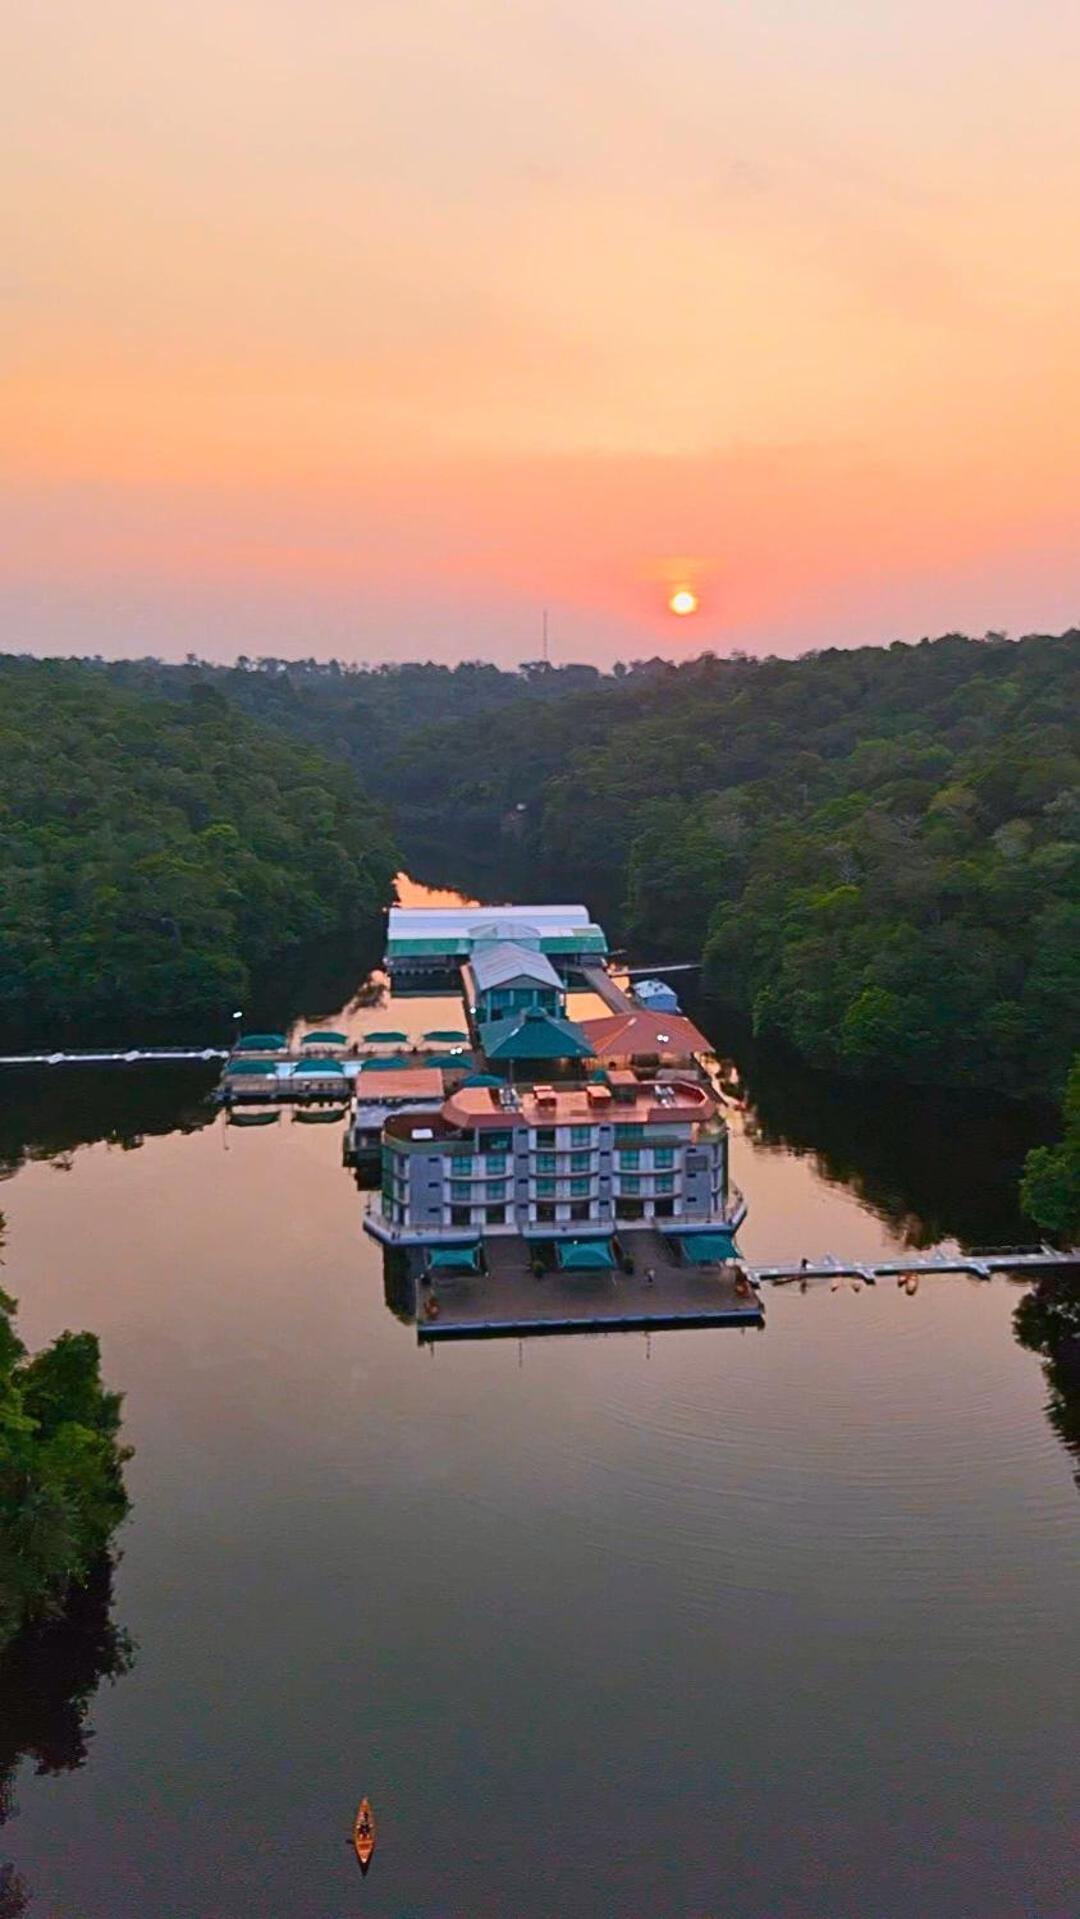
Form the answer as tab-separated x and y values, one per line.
738	1624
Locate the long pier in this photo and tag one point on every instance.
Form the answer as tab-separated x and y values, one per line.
129	1057
981	1265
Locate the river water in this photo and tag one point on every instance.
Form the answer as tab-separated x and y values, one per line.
728	1623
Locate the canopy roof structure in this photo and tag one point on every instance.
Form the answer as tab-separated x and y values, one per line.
325	1038
390	1038
584	1255
506	962
385	1065
244	1068
534	1035
448	1036
260	1043
445	1059
319	1068
454	1259
707	1249
483	1079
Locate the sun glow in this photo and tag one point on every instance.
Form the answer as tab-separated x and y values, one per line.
683	602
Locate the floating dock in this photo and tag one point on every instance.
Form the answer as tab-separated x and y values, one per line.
509	1301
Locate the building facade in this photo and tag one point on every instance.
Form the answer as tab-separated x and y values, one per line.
547	1162
505	978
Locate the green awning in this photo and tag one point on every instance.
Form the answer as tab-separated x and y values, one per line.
389	1038
383	1065
580	1255
534	1036
325	1039
483	1079
245	1068
448	1036
445	1059
703	1249
260	1043
318	1068
454	1259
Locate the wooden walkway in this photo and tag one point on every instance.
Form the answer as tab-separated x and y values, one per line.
981	1264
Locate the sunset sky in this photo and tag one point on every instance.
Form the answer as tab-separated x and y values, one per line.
371	327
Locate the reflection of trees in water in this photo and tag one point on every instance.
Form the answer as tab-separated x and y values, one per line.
932	1164
50	1111
312	982
1047	1321
399	1288
48	1677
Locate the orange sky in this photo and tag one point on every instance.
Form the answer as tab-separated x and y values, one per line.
372	326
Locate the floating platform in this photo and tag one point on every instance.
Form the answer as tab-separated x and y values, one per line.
509	1301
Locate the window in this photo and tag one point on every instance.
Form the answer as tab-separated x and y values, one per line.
630	1209
495	1215
495	1189
545	1136
545	1162
459	1216
579	1162
580	1135
665	1182
497	1143
578	1187
461	1164
630	1183
628	1135
630	1159
579	1209
545	1213
664	1209
495	1163
547	1187
664	1156
459	1191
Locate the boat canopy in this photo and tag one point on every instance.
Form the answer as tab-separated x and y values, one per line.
454	1259
704	1248
384	1065
325	1039
260	1043
244	1068
319	1068
580	1255
390	1038
448	1036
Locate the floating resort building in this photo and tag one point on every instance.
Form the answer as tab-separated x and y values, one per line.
426	941
546	1162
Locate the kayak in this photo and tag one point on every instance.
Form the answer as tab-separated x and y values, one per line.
364	1833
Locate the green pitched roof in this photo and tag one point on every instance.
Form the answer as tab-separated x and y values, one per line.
534	1035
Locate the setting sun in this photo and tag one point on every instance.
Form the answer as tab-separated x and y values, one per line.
683	602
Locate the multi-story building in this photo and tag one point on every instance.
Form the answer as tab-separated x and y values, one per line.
547	1162
426	941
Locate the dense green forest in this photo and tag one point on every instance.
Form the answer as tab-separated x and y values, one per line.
877	851
154	851
61	1471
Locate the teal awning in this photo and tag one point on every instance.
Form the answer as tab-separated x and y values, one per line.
260	1043
454	1259
448	1036
483	1079
389	1038
580	1255
704	1248
383	1065
318	1068
446	1059
244	1068
325	1039
534	1036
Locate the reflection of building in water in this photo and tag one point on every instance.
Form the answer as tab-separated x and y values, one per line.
545	1161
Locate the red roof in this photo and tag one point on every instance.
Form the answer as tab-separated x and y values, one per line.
644	1035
